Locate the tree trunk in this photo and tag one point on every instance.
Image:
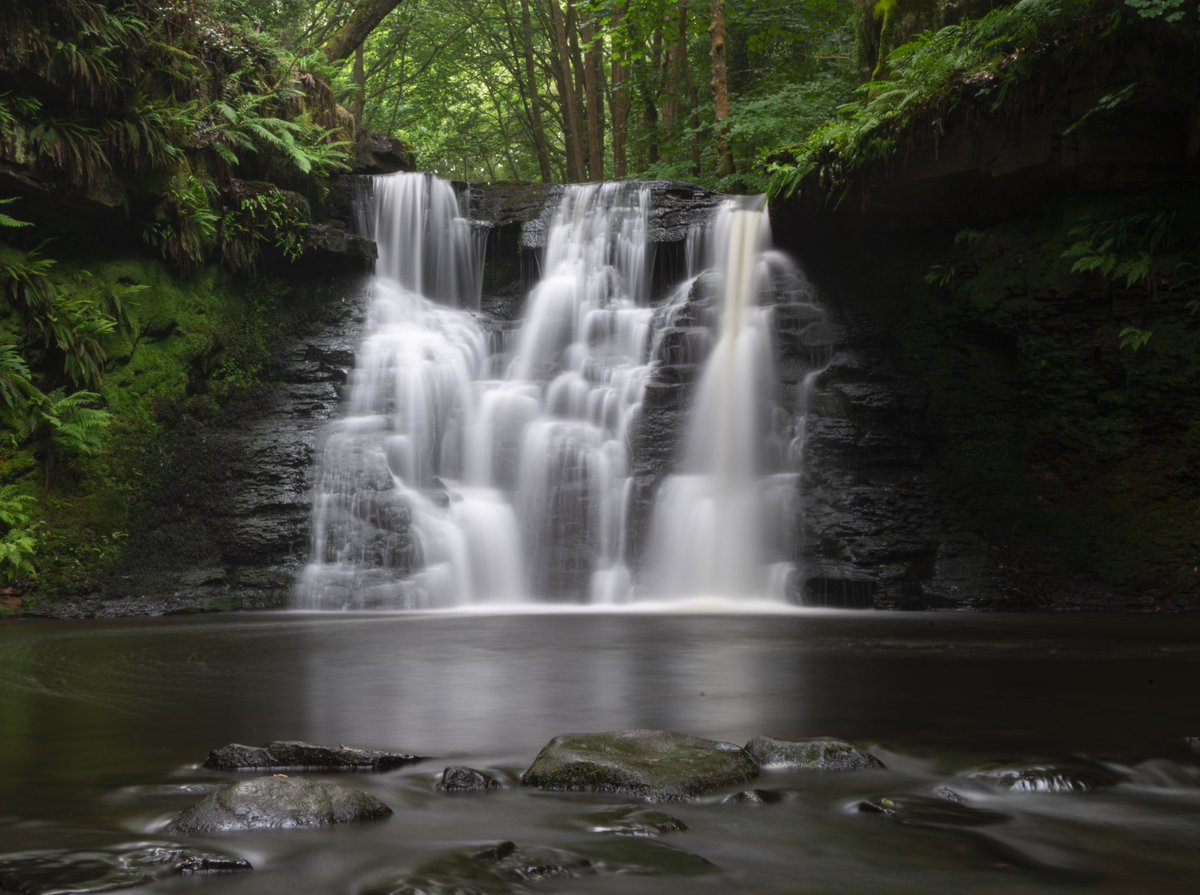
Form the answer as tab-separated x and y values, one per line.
366	18
618	98
360	89
720	88
573	131
593	85
540	146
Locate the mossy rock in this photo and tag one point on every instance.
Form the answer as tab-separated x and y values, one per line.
277	803
819	754
652	765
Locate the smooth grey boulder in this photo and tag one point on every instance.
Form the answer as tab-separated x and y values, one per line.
291	755
459	779
818	754
496	870
652	765
277	803
44	871
754	797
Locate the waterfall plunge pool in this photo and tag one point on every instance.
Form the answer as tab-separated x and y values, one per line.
104	724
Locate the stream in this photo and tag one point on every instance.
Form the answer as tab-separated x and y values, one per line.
105	725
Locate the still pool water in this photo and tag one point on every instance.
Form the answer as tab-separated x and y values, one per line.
103	726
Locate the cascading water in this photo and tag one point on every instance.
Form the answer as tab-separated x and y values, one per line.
462	474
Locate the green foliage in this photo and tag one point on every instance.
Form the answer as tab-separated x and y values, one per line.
267	217
926	79
1130	338
184	226
76	427
18	535
1168	10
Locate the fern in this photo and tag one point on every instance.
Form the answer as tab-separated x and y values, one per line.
19	540
76	427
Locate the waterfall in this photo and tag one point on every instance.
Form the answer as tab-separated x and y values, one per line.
469	469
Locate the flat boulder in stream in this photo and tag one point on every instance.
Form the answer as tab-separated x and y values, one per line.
652	765
292	755
1070	775
818	754
277	803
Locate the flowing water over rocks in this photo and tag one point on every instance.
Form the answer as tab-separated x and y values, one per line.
476	463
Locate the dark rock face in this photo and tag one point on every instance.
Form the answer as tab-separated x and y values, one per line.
460	779
229	527
335	251
379	154
821	754
47	871
297	756
652	765
277	803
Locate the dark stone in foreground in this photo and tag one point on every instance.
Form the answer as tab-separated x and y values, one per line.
278	803
820	754
1074	775
654	765
930	811
505	867
290	755
490	871
46	871
1193	743
460	779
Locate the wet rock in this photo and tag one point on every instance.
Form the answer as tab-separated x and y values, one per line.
277	803
291	755
931	811
653	765
1074	775
495	870
640	822
335	251
460	779
380	154
1193	743
47	871
753	797
820	754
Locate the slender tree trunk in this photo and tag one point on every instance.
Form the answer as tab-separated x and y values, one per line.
693	95
360	89
618	97
673	80
580	83
540	146
593	85
573	131
719	86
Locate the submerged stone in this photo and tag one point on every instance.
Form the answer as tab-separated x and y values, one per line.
653	765
46	871
278	803
494	870
1073	775
753	797
640	822
931	811
505	867
460	779
292	755
818	754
